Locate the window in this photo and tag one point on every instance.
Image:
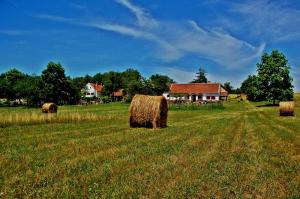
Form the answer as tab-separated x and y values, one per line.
213	97
87	93
208	97
92	93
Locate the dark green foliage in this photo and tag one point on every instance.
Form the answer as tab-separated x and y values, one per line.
274	77
273	81
160	83
228	87
251	87
112	82
54	86
200	76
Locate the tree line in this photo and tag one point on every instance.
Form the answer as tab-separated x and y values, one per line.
54	86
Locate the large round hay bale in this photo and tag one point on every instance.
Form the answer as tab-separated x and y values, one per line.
49	108
148	111
286	108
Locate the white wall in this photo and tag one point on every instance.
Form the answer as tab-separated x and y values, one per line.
204	97
90	89
216	95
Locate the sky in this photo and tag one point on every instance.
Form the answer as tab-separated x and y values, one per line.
174	38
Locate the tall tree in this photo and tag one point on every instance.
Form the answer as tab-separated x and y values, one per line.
251	87
274	77
200	76
98	78
228	87
112	82
160	83
12	79
56	84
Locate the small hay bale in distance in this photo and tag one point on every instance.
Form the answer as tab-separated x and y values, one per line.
49	108
286	108
148	111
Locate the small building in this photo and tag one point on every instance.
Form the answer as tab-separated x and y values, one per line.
196	92
93	90
118	95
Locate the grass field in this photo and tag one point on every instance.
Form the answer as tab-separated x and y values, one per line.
240	151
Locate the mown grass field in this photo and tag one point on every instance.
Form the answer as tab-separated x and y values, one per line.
241	151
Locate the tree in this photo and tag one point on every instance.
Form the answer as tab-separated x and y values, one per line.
112	82
228	87
274	77
131	83
251	87
160	83
56	85
4	88
98	78
200	76
32	87
12	79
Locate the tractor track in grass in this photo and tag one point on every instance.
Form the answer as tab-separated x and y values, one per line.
277	158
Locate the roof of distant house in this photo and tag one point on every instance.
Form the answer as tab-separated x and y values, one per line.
198	88
118	93
97	87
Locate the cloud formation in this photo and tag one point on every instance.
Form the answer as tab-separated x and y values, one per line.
174	40
271	20
143	17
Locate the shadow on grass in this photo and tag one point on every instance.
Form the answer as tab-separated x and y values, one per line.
267	105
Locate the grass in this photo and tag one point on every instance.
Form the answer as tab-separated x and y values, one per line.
198	107
239	151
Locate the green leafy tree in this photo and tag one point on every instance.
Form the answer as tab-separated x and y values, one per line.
56	84
112	82
228	87
98	78
251	87
12	79
88	79
200	76
32	87
131	83
274	77
160	83
4	87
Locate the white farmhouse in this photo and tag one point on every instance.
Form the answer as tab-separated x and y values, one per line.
195	92
93	90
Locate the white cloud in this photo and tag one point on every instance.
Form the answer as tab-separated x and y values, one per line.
272	20
143	17
174	40
54	18
222	48
176	74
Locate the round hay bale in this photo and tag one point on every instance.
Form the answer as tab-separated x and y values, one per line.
148	111
49	108
286	108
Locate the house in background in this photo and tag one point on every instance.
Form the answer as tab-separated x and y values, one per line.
93	90
195	92
118	95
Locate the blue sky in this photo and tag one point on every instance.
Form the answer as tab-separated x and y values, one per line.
174	37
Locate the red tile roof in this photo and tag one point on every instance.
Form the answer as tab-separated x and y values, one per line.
97	87
118	93
224	92
197	88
